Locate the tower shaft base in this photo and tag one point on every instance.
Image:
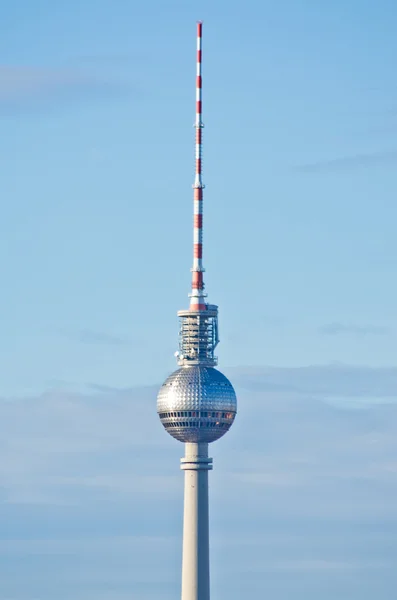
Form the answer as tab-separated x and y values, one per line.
195	555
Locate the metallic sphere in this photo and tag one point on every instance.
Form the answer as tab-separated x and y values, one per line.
197	404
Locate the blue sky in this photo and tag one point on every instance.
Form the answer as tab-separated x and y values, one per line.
96	108
96	147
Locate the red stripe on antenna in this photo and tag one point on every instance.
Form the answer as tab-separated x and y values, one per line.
197	280
198	307
198	250
198	221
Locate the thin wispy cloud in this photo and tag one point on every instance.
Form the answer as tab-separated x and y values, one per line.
318	380
25	88
346	163
90	336
357	330
93	337
115	59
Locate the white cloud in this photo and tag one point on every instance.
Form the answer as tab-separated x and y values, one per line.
356	330
26	87
303	486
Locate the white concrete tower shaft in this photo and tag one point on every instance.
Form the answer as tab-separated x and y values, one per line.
195	554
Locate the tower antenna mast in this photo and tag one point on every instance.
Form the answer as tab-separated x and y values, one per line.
197	403
197	297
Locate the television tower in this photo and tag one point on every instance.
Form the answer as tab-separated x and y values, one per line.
197	404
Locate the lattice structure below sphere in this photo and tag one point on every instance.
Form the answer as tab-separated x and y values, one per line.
197	404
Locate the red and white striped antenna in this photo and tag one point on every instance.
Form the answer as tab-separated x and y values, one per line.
197	297
198	333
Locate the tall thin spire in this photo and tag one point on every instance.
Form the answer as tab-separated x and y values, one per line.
197	296
197	403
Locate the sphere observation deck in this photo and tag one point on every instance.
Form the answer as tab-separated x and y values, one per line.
197	404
